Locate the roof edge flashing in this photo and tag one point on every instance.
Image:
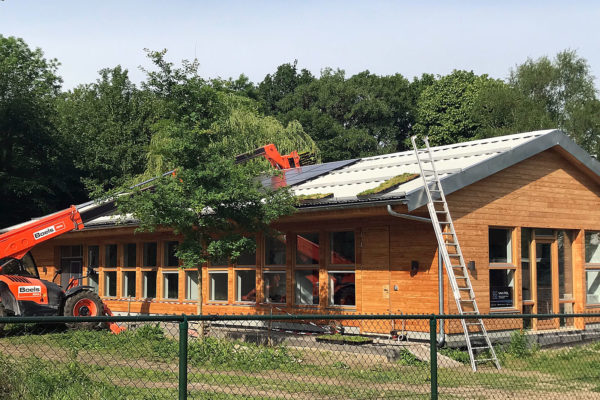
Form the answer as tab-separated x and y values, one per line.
418	198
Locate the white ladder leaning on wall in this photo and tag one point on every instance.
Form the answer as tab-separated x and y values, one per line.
476	336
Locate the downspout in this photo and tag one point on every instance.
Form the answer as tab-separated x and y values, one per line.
442	334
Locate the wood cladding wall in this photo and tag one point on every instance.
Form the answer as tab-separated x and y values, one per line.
545	191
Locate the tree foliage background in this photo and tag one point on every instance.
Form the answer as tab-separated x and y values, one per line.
60	147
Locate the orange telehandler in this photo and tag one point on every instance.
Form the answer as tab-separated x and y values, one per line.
23	293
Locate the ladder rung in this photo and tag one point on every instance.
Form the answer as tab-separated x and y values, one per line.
451	244
460	277
479	347
484	359
467	300
472	324
464	288
447	233
454	255
440	211
444	222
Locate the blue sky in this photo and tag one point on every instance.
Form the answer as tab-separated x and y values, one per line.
253	37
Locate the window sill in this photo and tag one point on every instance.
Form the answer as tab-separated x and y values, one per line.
247	304
342	308
507	310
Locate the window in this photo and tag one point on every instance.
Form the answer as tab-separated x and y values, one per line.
191	285
307	286
592	247
502	288
170	284
71	264
247	258
149	284
342	248
307	249
593	286
500	245
128	284
565	265
170	259
526	263
110	256
275	286
217	285
93	263
306	276
341	288
275	250
129	251
245	285
149	258
110	283
93	256
592	273
502	273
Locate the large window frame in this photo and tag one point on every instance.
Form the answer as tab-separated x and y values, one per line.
497	262
341	270
306	269
167	275
221	273
592	267
245	265
275	273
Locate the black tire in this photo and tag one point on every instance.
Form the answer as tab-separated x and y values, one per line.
83	303
2	314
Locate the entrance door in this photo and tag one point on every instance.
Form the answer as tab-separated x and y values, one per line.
547	275
543	268
545	262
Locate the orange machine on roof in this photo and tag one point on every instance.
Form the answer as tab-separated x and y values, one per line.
23	293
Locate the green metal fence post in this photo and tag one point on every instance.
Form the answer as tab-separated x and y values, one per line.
183	358
433	356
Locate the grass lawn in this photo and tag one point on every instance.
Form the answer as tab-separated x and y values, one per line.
143	364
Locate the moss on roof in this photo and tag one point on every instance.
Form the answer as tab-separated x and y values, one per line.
389	185
313	196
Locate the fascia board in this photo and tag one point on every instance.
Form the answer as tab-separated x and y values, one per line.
418	198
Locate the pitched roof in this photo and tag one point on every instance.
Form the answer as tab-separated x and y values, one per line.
458	165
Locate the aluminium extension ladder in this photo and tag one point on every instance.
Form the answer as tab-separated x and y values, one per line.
478	341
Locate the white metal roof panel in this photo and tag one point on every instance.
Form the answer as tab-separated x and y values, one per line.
369	172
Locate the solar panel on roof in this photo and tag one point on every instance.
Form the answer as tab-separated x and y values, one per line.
296	176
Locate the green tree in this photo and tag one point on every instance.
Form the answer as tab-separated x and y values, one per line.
283	82
107	124
35	175
565	88
212	202
444	108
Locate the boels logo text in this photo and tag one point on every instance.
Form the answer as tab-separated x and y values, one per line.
48	231
29	291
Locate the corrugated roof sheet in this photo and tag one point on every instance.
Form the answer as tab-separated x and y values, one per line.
367	173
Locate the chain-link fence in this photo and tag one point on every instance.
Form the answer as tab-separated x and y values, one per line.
301	357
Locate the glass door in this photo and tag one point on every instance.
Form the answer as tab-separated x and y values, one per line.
543	261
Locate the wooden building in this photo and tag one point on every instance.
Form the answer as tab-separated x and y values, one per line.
526	209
